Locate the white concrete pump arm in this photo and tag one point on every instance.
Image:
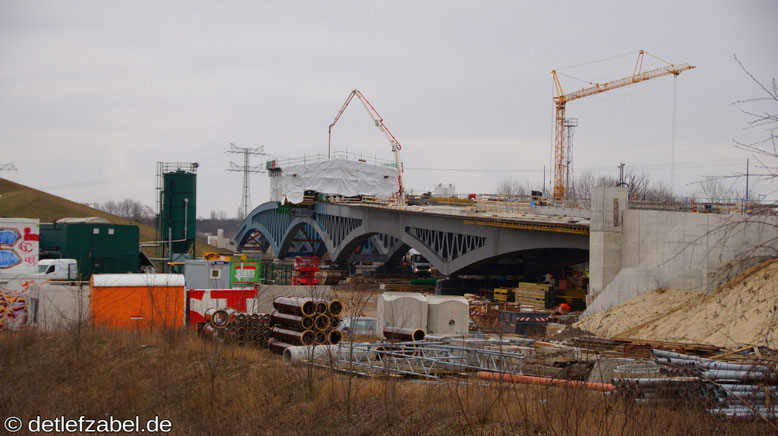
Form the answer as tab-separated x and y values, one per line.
379	122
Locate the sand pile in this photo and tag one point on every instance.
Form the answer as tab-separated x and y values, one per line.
739	313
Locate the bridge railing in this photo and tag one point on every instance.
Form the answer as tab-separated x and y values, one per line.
318	157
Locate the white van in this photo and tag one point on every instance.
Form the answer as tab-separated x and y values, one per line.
58	269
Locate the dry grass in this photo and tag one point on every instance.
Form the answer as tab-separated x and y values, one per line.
128	374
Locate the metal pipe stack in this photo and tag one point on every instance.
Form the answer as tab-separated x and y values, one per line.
248	329
304	321
727	388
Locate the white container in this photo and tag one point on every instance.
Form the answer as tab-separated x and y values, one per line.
19	241
447	315
400	309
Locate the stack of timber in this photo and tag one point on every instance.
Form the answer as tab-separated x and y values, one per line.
532	294
505	295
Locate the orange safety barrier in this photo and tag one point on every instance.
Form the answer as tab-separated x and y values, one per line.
557	382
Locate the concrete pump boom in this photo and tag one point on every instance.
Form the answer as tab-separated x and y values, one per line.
379	122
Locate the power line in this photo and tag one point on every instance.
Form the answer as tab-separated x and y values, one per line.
246	168
692	164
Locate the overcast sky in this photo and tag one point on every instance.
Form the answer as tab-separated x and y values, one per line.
93	93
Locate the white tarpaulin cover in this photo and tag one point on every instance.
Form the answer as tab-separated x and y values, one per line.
334	176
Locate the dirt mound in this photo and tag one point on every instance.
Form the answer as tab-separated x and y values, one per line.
742	312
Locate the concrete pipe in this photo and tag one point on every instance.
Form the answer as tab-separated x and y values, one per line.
298	354
292	322
217	318
322	322
334	337
209	332
334	322
335	307
321	307
292	337
402	334
321	338
295	305
277	346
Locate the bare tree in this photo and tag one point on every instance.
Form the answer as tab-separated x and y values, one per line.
764	150
128	208
510	188
713	190
639	184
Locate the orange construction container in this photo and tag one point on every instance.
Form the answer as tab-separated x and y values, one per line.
137	301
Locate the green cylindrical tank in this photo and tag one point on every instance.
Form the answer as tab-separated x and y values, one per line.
179	208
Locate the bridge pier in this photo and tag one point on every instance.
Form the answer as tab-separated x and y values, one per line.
605	237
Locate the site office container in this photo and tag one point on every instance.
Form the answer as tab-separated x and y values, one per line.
137	301
98	248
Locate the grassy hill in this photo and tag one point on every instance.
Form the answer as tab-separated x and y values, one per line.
19	201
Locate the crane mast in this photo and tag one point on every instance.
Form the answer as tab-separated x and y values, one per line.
561	99
379	122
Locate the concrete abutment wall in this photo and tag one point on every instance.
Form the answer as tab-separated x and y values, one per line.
651	249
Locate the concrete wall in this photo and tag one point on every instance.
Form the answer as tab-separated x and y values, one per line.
62	307
656	249
27	301
606	236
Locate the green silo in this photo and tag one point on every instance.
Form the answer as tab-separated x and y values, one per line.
178	199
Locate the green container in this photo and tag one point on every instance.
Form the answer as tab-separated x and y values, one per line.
98	248
179	209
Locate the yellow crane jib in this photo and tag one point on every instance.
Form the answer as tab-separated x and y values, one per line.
560	99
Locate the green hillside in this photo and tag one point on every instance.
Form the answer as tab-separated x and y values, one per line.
19	201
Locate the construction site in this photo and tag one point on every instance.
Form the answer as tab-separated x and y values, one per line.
350	303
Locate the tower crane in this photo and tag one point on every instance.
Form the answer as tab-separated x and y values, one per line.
560	99
379	122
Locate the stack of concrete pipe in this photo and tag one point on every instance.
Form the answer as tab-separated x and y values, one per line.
304	321
241	328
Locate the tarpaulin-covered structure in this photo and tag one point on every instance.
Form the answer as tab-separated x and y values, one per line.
335	177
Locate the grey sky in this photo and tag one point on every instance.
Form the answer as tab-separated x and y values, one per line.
93	93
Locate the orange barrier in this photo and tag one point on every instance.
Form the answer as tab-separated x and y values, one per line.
557	382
